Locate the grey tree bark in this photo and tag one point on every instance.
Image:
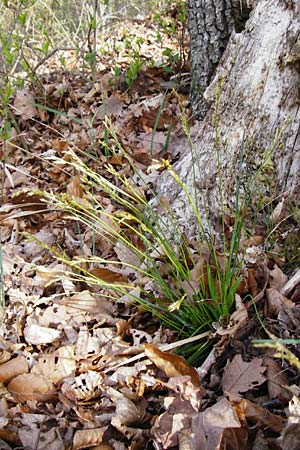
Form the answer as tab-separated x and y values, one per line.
211	22
259	99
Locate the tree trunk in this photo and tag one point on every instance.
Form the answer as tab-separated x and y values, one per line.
210	24
258	103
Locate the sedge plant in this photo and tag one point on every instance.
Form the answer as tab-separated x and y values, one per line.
187	287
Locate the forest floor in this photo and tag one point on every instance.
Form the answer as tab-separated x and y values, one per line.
78	370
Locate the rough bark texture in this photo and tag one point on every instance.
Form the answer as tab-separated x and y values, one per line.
210	24
260	97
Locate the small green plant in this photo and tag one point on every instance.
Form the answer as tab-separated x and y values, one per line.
133	71
172	61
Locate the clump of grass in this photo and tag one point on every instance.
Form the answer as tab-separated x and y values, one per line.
188	286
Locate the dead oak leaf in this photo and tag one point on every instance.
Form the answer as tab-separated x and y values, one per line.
220	426
240	376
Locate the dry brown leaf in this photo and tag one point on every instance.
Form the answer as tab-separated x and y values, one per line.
112	106
37	335
83	387
219	427
277	380
172	365
276	302
279	211
127	413
56	366
30	386
103	447
240	376
74	188
4	356
290	436
88	438
291	284
168	428
33	433
24	105
107	275
10	436
257	414
277	279
12	368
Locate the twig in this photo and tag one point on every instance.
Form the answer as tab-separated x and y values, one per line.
163	347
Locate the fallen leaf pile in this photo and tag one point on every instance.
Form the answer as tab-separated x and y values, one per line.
78	370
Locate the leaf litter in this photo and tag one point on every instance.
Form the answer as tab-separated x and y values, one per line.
78	370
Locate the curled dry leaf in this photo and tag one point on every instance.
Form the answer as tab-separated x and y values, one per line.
83	387
276	302
127	413
259	415
277	279
30	386
4	356
172	365
88	438
37	335
291	284
74	188
103	447
13	368
290	437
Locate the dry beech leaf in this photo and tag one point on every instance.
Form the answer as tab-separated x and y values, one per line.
57	365
30	386
74	188
4	356
127	412
88	438
168	428
83	387
240	376
24	105
172	365
13	368
37	335
107	275
103	447
277	279
276	302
